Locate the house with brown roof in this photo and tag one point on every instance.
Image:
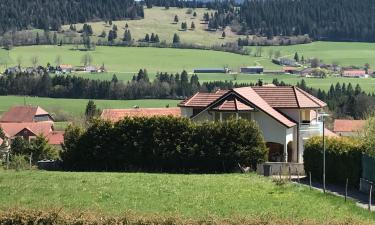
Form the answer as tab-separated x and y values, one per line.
287	116
25	114
29	122
115	115
348	128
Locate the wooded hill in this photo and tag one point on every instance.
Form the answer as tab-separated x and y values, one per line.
51	14
338	20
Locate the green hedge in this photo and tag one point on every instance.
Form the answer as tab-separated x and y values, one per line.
163	144
343	160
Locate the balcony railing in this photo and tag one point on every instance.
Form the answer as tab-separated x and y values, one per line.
308	130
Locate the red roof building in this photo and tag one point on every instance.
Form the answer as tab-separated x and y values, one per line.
354	73
29	122
28	114
348	127
115	115
286	115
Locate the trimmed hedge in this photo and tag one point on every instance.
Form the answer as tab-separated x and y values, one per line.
60	217
343	160
164	144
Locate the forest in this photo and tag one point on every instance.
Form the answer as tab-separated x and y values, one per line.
336	20
51	14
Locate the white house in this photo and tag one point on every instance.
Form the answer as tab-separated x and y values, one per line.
287	115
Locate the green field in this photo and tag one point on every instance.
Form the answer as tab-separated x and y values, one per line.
344	53
131	59
76	107
160	21
192	196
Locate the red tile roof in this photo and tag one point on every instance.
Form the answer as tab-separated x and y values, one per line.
354	72
202	100
20	114
249	94
55	137
288	97
12	129
115	115
348	125
288	68
233	105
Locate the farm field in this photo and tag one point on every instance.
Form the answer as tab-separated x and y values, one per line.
131	59
344	53
191	196
76	107
159	21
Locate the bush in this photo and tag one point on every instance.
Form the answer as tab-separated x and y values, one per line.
343	160
164	144
18	162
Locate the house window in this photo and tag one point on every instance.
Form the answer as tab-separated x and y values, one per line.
305	116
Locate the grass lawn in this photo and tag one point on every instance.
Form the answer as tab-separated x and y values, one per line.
131	59
192	196
345	53
76	107
159	21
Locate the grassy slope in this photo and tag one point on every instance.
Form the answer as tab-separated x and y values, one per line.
123	59
77	106
187	195
345	53
160	21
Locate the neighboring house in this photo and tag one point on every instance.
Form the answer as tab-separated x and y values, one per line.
290	70
212	70
28	122
252	70
354	73
348	128
65	68
115	115
28	114
285	62
287	116
91	69
307	72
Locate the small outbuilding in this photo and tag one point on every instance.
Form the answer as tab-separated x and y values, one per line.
252	70
212	70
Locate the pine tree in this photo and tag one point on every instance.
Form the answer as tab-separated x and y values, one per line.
147	38
176	39
192	26
37	39
296	57
175	19
223	34
152	39
183	26
195	14
157	39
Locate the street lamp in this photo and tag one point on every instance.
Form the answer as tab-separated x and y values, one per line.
323	116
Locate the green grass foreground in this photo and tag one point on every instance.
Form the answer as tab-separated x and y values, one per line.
76	107
189	196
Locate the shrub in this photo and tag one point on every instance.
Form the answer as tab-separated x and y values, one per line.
343	160
165	144
18	162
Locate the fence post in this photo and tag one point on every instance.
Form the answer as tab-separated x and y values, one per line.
290	174
280	173
346	189
310	180
297	175
369	198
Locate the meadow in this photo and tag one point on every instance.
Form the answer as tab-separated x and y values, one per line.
76	107
343	53
159	20
131	59
191	196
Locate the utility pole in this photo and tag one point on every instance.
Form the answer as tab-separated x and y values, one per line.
324	159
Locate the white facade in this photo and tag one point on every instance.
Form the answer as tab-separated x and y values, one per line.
289	140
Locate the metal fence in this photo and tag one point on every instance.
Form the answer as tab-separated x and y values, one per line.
368	168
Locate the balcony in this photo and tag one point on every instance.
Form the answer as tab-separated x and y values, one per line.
309	130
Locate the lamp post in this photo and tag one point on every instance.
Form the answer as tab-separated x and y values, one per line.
323	115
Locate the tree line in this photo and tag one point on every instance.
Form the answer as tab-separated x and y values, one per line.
343	100
338	20
50	15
